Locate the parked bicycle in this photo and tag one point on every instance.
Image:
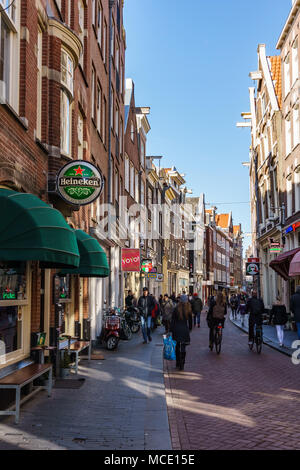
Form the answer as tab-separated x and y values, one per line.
217	337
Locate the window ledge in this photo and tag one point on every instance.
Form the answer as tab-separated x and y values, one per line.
42	145
22	120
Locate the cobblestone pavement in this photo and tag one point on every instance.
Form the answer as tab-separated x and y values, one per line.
121	405
237	400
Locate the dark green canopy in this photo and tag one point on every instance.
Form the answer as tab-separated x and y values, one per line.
31	230
93	260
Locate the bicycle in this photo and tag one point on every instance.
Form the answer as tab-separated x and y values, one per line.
218	328
258	339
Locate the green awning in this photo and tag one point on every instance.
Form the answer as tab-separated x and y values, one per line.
93	260
31	230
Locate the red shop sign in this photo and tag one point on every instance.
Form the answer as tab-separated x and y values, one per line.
131	259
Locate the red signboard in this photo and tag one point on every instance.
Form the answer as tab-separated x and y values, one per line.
253	260
131	259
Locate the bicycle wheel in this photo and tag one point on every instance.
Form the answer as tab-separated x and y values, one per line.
218	341
258	342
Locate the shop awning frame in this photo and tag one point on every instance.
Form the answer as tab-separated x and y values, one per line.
281	264
31	230
93	260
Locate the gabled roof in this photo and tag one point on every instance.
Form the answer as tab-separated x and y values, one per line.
276	76
223	220
237	229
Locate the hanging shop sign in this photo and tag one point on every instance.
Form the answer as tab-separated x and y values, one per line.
253	260
131	260
146	265
292	228
79	182
275	247
155	277
252	269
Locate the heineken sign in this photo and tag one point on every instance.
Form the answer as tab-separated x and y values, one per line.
79	182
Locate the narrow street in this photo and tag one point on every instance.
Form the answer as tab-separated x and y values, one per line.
121	405
238	400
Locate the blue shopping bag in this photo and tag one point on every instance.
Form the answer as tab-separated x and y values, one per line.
169	348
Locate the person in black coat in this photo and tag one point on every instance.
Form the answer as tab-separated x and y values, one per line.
279	316
180	329
146	304
295	308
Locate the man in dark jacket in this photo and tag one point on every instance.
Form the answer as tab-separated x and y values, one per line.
197	307
295	308
146	304
255	307
129	299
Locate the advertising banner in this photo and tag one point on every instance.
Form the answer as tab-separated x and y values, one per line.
131	260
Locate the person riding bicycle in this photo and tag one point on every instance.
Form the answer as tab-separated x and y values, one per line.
216	314
255	307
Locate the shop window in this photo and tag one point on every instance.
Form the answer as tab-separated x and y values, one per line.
62	288
13	282
10	329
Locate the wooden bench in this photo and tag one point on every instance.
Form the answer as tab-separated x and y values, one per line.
20	378
77	347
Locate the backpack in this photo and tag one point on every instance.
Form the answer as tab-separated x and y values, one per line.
218	311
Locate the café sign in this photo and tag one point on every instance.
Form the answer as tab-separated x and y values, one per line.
79	182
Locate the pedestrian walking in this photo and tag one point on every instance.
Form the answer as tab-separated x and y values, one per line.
129	299
173	297
180	329
279	316
216	313
146	305
197	306
295	308
167	312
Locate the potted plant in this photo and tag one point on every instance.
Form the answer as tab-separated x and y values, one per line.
65	364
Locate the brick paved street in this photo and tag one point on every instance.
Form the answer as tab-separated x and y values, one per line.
238	400
120	406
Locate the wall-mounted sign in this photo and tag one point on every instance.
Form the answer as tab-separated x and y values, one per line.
155	277
253	260
252	269
131	260
146	265
275	247
79	182
292	228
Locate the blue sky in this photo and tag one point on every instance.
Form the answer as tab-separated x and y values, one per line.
190	62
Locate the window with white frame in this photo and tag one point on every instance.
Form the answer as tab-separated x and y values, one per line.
99	24
132	131
289	196
112	109
297	188
117	121
126	173
142	156
81	28
104	41
65	123
121	137
287	75
288	136
136	186
9	53
93	81
104	120
131	180
295	64
112	43
117	185
70	2
39	54
296	130
142	192
66	98
99	110
93	12
80	136
263	104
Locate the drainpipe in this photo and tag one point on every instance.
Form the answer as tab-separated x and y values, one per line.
109	188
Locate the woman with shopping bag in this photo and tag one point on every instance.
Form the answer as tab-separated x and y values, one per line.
180	329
